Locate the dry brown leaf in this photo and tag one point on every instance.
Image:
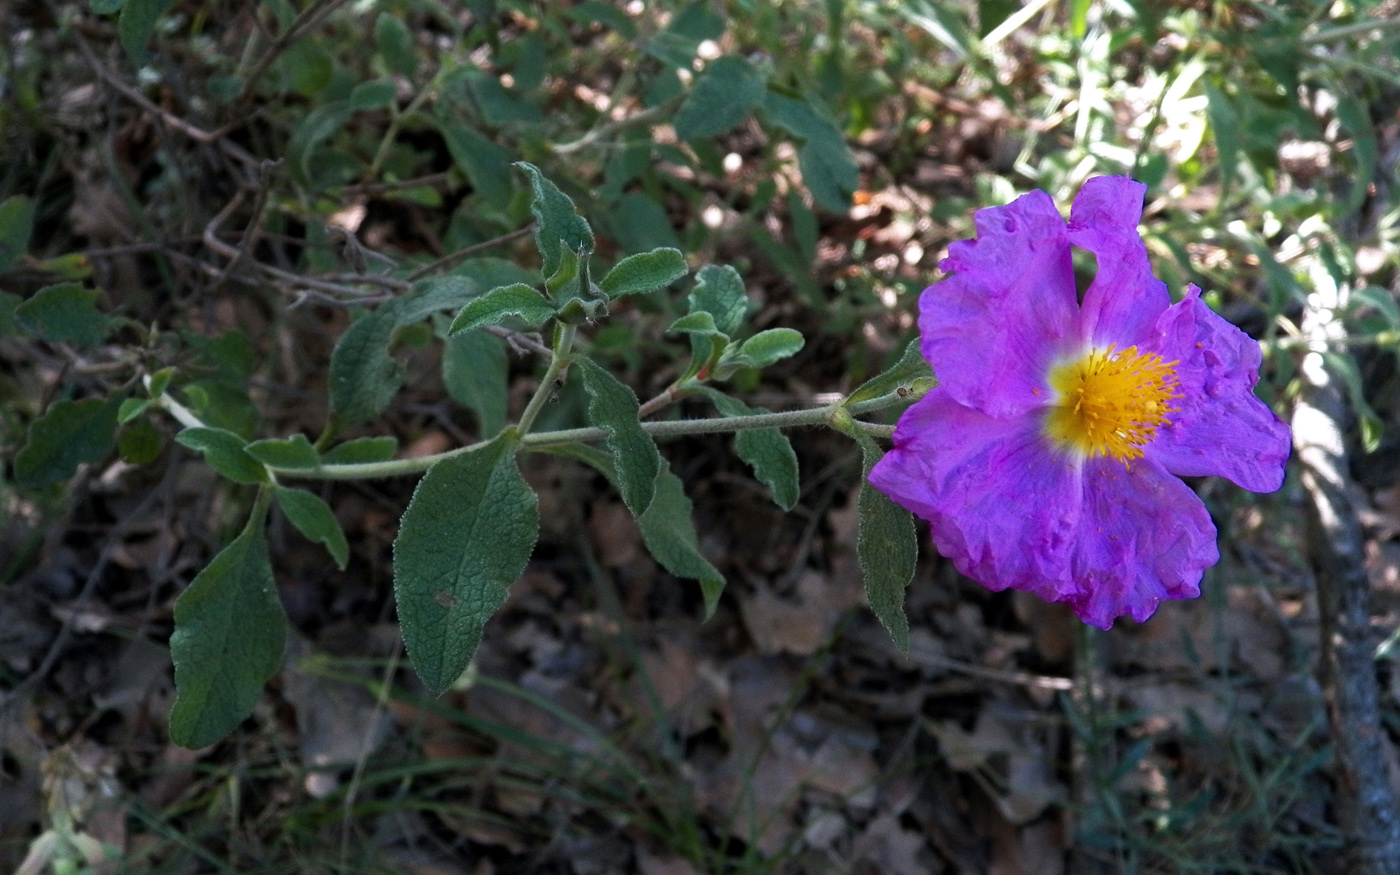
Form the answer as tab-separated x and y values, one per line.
799	625
890	848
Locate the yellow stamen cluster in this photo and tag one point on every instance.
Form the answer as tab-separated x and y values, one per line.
1111	402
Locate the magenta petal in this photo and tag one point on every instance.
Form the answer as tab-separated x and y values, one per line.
991	329
1125	298
1220	428
1144	536
1002	507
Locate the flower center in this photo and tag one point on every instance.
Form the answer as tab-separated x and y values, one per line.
1110	402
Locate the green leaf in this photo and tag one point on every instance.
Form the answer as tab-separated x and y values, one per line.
669	533
466	536
766	450
911	372
1345	366
225	452
223	404
640	223
65	313
676	45
474	370
486	164
362	451
160	381
136	24
140	443
437	294
722	97
498	105
1355	116
16	224
293	452
132	408
395	45
719	291
767	347
644	272
308	66
557	223
598	12
9	303
71	433
315	519
940	20
513	300
828	168
374	94
695	323
106	7
1225	127
229	635
887	546
364	377
613	407
317	126
991	13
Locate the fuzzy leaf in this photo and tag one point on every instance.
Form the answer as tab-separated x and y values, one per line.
68	435
474	370
229	635
828	168
557	223
723	96
909	372
364	377
466	536
644	272
362	451
767	347
887	546
613	406
65	313
669	533
225	452
315	519
516	299
293	452
766	450
695	323
719	291
486	164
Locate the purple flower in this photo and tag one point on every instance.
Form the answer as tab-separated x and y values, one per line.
1047	458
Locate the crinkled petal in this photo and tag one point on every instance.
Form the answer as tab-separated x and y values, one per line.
1144	536
991	329
1002	506
1125	299
1220	427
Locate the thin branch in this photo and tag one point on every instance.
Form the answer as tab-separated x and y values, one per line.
199	135
1366	804
468	252
305	20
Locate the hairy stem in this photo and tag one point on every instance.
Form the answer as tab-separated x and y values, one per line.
674	428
